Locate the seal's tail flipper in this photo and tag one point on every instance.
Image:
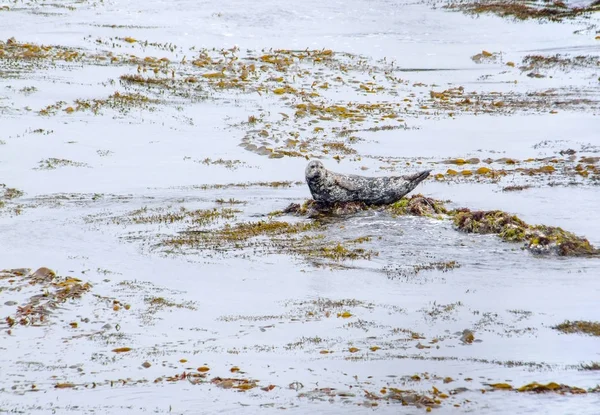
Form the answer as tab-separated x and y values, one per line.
412	180
417	178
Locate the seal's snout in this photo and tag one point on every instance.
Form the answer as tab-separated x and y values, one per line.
314	169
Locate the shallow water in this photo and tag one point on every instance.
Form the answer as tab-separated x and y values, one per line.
270	313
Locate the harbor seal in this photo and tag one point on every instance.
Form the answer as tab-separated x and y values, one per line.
329	187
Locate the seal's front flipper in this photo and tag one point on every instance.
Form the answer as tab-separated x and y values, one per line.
343	182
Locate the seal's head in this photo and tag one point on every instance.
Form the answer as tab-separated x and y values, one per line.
315	170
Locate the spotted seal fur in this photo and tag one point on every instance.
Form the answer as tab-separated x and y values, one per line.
329	187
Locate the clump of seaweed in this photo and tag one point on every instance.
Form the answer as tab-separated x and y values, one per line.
486	57
158	303
541	388
56	290
408	397
247	230
338	252
54	163
536	62
516	188
14	50
8	193
268	237
160	216
591	328
409	273
590	366
556	11
122	102
440	266
539	239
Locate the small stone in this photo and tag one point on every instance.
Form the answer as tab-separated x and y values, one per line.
467	337
296	386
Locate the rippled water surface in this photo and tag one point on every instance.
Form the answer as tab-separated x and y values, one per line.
305	332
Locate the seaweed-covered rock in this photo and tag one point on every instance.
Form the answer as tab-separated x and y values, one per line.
549	239
417	205
314	209
539	239
492	221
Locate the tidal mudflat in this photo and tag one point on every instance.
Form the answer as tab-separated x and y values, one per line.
160	253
